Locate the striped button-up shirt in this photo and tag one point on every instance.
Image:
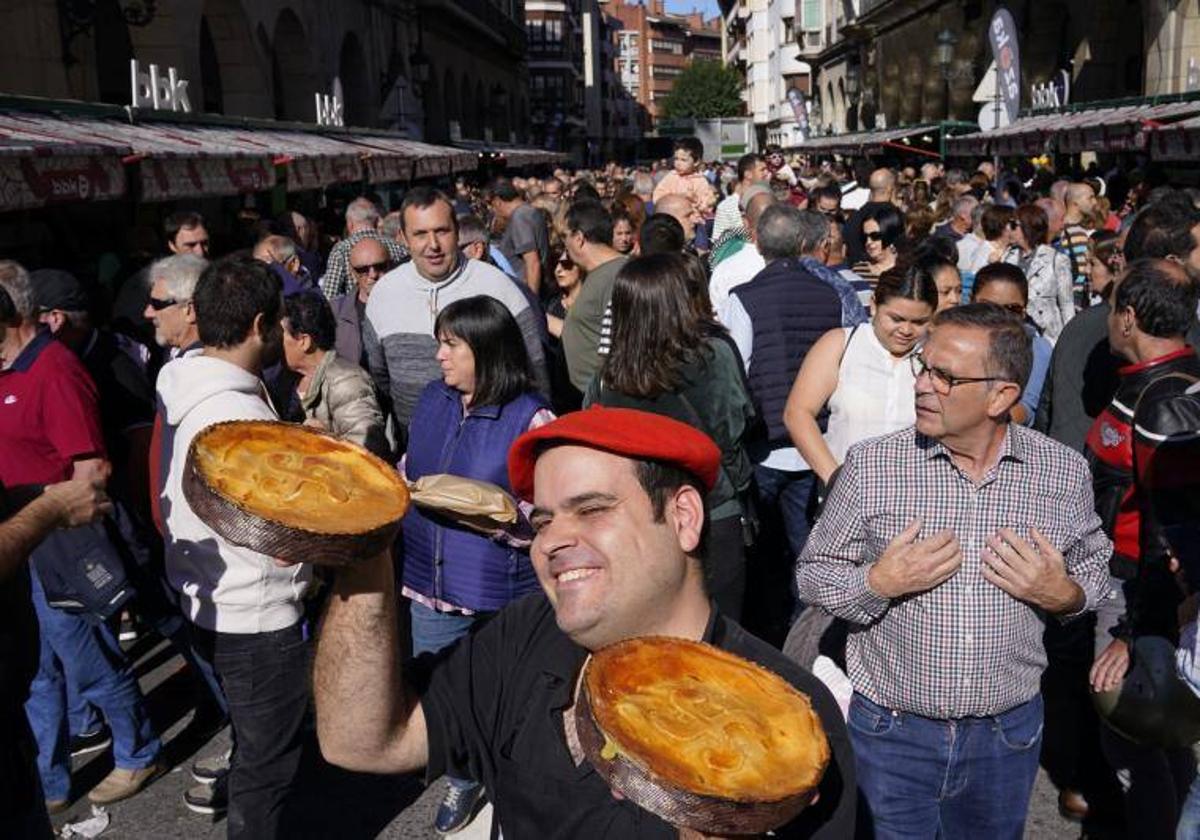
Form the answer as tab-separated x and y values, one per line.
965	648
336	280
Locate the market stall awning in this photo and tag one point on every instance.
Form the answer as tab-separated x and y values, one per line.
39	167
1112	128
401	159
870	142
1179	141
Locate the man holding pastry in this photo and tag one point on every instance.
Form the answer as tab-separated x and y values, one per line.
619	517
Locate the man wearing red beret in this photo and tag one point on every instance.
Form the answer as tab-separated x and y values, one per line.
619	518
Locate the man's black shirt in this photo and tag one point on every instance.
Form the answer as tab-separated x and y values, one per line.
493	709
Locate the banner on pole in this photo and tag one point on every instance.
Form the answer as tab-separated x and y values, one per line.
1002	33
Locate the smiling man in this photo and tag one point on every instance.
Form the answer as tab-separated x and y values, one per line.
619	516
948	545
403	305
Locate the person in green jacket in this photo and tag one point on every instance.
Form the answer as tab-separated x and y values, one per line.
668	356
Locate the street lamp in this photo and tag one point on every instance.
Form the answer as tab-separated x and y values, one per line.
945	42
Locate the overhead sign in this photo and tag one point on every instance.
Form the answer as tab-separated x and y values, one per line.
1053	94
329	110
1002	34
151	89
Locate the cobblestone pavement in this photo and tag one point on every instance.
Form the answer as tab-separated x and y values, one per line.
331	803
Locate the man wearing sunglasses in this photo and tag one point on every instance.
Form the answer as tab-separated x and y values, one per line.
369	261
948	546
169	307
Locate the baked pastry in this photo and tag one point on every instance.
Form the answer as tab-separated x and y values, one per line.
699	736
293	492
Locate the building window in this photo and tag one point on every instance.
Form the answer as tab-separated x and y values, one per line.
812	17
659	45
663	72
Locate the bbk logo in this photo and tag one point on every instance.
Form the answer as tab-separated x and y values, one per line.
151	89
329	110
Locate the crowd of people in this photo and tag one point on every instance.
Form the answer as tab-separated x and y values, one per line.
926	434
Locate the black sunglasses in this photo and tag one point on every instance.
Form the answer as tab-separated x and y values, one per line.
877	236
566	262
380	267
159	304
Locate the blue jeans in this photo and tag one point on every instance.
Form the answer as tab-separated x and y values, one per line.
789	495
90	657
965	778
432	631
1189	814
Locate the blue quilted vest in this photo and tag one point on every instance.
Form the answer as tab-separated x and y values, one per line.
789	310
444	561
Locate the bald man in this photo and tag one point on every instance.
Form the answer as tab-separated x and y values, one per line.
678	206
279	252
883	192
741	266
369	260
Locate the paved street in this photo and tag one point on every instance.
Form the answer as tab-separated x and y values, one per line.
330	803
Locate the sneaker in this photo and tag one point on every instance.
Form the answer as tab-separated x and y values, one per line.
209	799
459	806
122	784
128	631
207	771
90	742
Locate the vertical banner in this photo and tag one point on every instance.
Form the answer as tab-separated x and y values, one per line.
1002	33
799	111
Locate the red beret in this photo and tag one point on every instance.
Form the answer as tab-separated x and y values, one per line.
640	435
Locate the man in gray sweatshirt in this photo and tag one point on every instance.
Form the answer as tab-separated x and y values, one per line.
398	328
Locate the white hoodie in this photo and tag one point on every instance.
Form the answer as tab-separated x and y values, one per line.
223	587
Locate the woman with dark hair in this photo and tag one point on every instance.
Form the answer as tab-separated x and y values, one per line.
568	278
464	424
1051	299
1005	285
935	258
335	395
997	225
1106	260
665	359
861	374
883	231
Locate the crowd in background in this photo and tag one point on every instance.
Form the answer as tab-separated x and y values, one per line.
784	306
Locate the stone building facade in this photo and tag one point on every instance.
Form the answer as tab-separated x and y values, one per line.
435	68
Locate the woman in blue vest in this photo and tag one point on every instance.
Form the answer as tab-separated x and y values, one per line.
669	357
463	425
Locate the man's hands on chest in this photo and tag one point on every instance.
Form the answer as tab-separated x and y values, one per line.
909	565
1035	574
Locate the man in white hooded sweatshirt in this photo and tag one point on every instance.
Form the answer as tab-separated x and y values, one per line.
245	609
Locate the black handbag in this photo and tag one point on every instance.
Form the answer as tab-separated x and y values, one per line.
82	570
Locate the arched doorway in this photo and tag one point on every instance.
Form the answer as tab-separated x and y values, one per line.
233	73
113	50
356	90
450	100
469	115
296	83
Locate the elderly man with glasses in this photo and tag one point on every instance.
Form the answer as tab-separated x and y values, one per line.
948	546
369	260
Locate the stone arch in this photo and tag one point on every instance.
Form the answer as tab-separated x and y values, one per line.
113	50
296	82
450	99
356	86
233	77
468	105
435	114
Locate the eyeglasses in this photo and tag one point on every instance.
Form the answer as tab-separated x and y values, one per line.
876	236
159	304
378	267
943	381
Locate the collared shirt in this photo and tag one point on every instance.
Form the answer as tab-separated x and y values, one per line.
336	279
493	710
965	648
49	415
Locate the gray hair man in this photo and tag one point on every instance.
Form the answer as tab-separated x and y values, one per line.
961	219
947	546
774	320
362	222
172	283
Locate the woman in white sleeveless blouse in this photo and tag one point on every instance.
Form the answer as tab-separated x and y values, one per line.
862	373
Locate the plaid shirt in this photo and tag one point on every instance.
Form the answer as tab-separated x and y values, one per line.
336	279
965	648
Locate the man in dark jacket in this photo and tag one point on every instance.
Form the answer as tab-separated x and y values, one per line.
368	261
774	320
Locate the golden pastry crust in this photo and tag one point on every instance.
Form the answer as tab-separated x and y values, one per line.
299	478
706	721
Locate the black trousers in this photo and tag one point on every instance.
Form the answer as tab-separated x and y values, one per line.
265	680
